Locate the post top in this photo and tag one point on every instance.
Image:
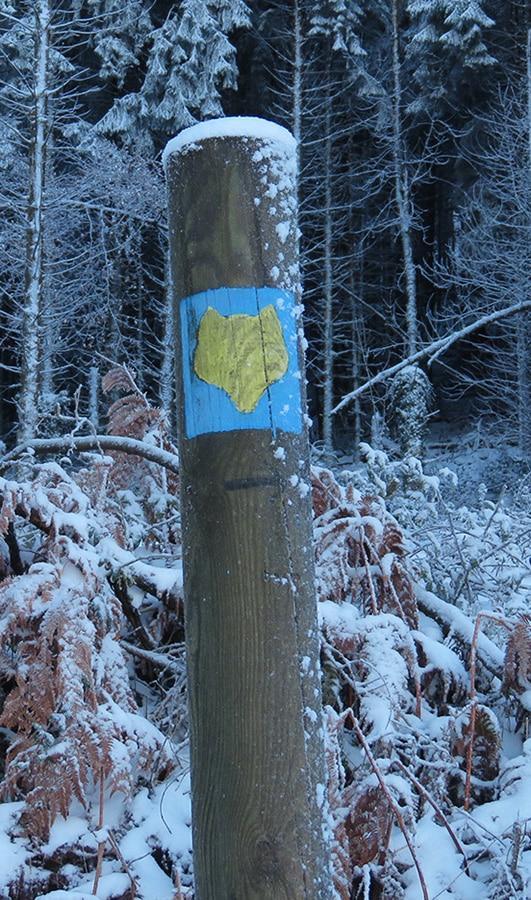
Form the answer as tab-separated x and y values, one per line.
230	126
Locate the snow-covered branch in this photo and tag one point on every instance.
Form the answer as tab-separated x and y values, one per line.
433	350
98	442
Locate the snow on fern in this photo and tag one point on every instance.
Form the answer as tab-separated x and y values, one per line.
137	482
360	550
416	726
73	717
91	625
409	730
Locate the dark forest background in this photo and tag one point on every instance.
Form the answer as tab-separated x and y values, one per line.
414	127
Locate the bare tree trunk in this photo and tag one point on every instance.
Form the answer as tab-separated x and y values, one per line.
356	341
33	296
403	193
297	80
328	284
524	320
93	396
167	372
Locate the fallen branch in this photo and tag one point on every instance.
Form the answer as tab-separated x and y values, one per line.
433	350
460	626
97	442
161	660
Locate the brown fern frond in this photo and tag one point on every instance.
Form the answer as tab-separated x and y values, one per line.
363	814
475	743
120	378
326	492
68	699
399	809
400	588
360	551
74	718
133	416
342	867
517	662
376	668
487	745
368	824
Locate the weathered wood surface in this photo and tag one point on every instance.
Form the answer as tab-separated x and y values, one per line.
251	623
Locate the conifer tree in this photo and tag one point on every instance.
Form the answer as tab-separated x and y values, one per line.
191	60
448	53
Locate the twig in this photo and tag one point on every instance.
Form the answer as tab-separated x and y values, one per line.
464	579
440	815
124	863
101	843
396	810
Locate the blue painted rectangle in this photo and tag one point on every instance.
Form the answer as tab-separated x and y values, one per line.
210	408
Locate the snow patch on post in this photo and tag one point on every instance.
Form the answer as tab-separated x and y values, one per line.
230	126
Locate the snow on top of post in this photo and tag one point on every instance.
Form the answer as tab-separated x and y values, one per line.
230	126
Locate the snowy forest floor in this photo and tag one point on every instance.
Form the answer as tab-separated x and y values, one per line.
424	582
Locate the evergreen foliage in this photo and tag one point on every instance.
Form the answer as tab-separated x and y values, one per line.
449	49
190	60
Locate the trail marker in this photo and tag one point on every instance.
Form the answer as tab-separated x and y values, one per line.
257	755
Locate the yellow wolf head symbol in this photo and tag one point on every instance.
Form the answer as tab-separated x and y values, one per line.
241	354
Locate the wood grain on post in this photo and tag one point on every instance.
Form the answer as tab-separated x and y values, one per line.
258	779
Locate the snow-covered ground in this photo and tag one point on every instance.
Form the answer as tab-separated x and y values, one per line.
408	555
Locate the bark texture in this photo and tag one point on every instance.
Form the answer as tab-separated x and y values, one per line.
251	627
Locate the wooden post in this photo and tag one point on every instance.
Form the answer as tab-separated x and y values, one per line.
258	779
